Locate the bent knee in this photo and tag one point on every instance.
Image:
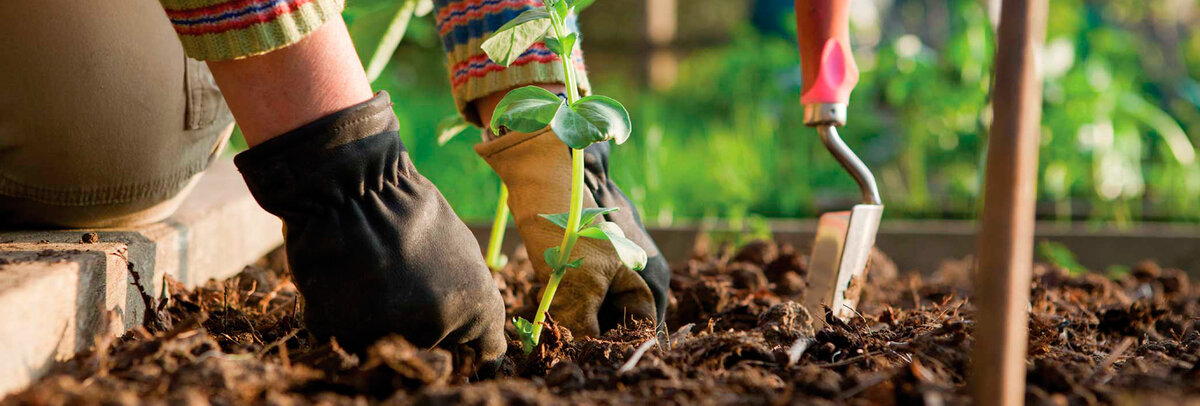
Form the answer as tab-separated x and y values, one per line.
102	114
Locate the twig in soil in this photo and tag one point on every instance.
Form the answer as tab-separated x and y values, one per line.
225	305
284	358
280	342
164	296
797	349
946	308
637	356
269	296
860	316
837	322
682	334
1102	370
189	324
846	361
867	384
865	324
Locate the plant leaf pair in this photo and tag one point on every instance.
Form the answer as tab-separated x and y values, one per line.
590	120
562	46
632	255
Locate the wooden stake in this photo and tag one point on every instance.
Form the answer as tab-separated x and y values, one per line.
661	64
1006	232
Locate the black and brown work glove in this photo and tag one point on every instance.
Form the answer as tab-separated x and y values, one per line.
372	244
602	293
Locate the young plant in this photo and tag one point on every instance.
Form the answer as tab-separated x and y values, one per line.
578	122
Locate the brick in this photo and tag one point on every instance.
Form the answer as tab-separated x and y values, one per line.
58	293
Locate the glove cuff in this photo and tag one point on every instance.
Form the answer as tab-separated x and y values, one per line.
336	157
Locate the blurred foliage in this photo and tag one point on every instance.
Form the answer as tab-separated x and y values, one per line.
1120	108
1059	255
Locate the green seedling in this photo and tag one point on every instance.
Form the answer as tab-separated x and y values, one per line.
578	122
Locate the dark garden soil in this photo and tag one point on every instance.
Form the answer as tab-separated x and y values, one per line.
739	338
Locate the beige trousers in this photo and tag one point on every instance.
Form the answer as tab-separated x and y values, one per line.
103	121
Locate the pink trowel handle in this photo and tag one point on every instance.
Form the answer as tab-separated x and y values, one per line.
828	69
829	74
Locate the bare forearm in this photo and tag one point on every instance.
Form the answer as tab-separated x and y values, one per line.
281	90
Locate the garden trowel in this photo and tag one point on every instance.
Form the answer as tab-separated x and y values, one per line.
838	264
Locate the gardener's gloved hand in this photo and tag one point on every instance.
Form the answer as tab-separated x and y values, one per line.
602	293
373	246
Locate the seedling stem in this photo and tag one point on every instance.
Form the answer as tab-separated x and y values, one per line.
568	244
496	260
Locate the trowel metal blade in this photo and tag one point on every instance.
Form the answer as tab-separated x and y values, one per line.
838	264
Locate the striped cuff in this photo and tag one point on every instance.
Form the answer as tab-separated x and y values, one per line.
214	30
463	26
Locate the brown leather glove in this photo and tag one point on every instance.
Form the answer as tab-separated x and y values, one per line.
602	293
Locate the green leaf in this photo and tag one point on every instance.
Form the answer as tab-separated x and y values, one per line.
513	38
526	109
593	232
562	46
606	114
574	129
630	253
559	219
525	330
554	45
589	214
523	326
449	127
578	262
561	8
551	256
579	5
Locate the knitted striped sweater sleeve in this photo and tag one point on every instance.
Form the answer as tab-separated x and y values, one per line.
231	29
463	26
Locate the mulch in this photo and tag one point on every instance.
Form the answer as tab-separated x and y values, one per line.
739	337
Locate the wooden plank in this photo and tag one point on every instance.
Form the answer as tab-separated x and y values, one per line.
1007	227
